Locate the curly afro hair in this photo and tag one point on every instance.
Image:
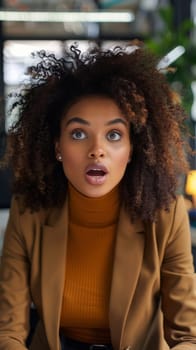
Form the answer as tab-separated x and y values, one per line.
131	79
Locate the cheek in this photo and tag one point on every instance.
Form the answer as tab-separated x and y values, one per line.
124	155
68	153
123	161
71	161
120	163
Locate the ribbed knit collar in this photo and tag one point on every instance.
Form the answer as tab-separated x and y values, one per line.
95	212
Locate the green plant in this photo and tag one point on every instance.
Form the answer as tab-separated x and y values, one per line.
167	39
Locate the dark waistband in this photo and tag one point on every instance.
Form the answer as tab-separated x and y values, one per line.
71	344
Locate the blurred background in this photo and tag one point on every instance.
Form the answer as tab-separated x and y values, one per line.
165	26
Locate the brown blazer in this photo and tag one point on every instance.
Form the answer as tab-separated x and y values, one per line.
153	270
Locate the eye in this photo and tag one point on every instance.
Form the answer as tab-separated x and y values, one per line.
78	134
114	135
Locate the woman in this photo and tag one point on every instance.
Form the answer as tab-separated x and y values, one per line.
97	238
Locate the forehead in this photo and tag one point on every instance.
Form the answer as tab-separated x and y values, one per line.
89	106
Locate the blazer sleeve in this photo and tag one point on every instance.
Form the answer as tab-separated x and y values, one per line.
14	288
178	283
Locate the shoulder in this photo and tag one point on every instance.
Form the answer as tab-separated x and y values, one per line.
172	228
25	217
26	228
18	209
175	215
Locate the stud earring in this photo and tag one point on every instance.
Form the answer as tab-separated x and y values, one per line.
59	158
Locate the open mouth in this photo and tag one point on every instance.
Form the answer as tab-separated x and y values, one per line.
95	172
96	175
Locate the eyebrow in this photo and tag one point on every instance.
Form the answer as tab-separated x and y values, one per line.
77	120
116	121
85	122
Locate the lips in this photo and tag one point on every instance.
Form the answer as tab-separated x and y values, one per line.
96	174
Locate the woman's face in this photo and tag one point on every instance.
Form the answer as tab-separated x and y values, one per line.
94	145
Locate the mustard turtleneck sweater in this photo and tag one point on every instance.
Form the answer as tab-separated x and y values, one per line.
91	238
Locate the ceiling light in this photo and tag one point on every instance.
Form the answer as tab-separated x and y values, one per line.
45	16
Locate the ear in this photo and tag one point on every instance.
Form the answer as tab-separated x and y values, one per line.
58	151
57	147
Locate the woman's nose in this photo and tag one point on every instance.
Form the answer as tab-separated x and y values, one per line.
96	152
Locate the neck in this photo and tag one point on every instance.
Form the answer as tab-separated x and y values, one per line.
93	211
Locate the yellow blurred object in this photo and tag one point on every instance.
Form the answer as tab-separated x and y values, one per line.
190	187
191	183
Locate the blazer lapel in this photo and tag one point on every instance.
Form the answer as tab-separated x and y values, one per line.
53	273
127	265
